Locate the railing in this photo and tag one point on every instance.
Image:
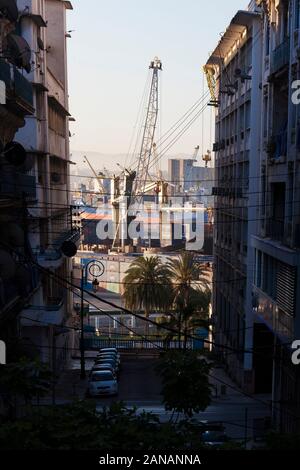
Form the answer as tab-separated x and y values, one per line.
16	84
280	56
23	87
280	144
13	290
54	303
95	343
17	185
275	229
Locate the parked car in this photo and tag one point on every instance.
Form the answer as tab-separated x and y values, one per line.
109	361
99	367
108	351
214	438
109	355
102	383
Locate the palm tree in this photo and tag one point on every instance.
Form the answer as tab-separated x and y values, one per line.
191	294
147	286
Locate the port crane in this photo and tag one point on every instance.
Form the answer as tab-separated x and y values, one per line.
133	184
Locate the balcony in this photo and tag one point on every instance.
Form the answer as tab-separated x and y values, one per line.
267	310
18	288
53	257
275	230
18	88
280	56
17	185
22	87
52	313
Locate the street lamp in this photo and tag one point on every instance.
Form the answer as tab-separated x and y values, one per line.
96	269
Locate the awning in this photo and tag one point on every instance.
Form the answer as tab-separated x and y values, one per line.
242	20
37	19
58	106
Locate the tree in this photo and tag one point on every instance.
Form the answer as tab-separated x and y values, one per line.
186	387
187	318
191	294
147	286
80	426
25	379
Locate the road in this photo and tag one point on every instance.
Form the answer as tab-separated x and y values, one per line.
140	386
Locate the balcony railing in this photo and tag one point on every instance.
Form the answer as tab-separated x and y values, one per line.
17	86
23	87
275	229
16	289
16	185
280	56
54	303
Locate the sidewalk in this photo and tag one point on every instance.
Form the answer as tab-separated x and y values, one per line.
229	391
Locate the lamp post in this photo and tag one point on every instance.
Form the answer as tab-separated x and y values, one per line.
96	269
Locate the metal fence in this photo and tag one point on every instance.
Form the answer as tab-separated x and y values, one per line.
149	343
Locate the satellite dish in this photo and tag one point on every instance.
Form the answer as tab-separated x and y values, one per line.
55	177
18	51
15	154
40	43
9	9
69	249
7	265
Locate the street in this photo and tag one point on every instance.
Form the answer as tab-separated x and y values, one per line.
139	386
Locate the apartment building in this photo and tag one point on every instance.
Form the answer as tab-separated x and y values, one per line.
252	75
234	77
276	291
18	279
51	237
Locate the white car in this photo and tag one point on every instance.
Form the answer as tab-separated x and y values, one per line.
109	356
102	383
111	351
108	350
100	367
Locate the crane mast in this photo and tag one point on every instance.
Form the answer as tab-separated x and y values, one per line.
149	131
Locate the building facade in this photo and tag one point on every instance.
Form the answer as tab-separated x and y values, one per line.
44	321
18	279
235	70
254	72
46	139
276	283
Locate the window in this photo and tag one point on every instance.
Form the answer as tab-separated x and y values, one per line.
57	122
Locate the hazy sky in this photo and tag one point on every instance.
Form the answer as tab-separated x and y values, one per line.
109	54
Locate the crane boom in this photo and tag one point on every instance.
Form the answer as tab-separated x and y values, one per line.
149	131
101	187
